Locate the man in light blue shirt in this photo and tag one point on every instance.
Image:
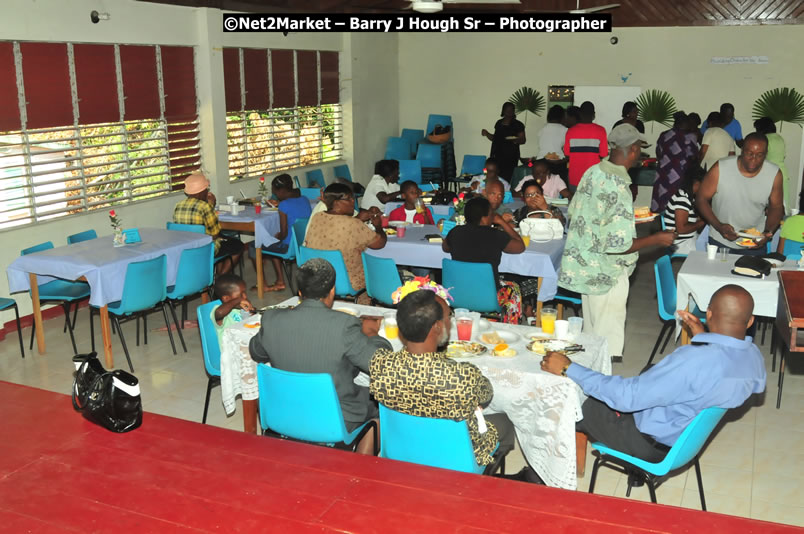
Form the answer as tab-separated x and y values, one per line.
644	415
732	125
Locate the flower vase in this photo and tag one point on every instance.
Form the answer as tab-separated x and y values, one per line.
119	238
460	220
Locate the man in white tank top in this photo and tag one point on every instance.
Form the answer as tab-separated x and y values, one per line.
742	193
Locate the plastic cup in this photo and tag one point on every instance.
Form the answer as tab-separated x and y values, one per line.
258	209
463	324
526	240
575	327
549	320
400	231
391	327
230	200
711	252
562	329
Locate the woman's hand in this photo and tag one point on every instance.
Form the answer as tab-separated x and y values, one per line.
484	132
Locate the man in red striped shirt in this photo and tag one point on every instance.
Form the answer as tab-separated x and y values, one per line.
585	144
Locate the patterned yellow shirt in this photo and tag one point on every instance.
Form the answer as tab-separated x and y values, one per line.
194	211
432	385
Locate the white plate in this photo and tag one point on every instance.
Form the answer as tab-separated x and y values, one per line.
646	219
397	223
749	236
347	309
483	325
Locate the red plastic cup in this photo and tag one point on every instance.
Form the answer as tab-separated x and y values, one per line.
400	231
384	221
258	209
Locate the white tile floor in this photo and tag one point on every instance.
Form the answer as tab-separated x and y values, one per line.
753	467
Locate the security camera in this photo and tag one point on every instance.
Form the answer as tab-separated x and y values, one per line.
614	40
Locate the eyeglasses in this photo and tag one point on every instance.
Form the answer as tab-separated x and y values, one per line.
532	195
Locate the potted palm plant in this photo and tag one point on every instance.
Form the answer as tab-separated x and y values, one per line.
781	105
656	106
527	99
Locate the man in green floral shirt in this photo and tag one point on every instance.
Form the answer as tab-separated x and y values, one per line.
601	249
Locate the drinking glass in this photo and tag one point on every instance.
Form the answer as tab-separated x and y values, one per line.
549	320
463	323
575	327
723	254
391	326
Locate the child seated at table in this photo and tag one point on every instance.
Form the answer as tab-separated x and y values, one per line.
231	290
408	212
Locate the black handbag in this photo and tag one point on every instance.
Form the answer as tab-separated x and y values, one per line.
752	266
110	399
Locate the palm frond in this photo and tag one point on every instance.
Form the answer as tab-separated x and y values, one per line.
781	105
656	106
527	99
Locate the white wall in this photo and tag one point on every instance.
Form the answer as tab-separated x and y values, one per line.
469	76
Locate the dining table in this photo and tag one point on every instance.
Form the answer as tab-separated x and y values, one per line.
700	277
543	407
264	226
102	265
540	260
443	210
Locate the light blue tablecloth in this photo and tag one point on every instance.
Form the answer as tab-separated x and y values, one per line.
540	259
266	224
444	210
102	264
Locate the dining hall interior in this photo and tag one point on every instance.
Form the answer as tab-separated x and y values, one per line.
127	105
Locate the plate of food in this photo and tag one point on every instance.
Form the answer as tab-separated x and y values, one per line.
251	325
544	345
503	351
746	242
465	349
390	231
496	337
644	214
750	233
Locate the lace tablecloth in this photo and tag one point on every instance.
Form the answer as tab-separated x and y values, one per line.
543	407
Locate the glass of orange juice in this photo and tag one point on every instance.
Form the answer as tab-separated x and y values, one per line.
391	327
548	320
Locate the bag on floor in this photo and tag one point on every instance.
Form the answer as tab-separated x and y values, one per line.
110	399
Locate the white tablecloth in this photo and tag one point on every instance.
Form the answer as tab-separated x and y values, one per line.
540	259
103	264
700	277
543	407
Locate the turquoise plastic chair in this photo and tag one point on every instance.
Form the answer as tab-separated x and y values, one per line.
473	164
685	449
311	192
382	278
567	299
342	171
194	276
61	292
177	227
428	441
299	233
305	406
86	235
792	249
437	217
143	290
397	148
343	287
471	285
296	181
288	257
508	197
429	156
666	296
315	178
434	120
414	137
411	169
6	304
211	349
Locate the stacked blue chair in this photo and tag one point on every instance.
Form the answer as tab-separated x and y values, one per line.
194	276
397	148
435	442
342	171
471	285
414	137
429	157
473	165
305	406
315	178
435	120
382	278
343	287
86	235
211	349
144	289
666	296
685	449
411	170
60	292
6	304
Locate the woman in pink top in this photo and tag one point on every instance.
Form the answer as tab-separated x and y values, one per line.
552	184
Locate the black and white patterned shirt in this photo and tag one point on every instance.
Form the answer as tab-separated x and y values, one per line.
679	201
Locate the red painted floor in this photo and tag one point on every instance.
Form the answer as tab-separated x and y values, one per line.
60	473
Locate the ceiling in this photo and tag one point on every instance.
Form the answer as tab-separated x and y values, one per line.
630	12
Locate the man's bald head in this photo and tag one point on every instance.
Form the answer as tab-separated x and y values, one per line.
495	185
731	311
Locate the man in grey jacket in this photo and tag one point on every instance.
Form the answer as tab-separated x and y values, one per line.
313	338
